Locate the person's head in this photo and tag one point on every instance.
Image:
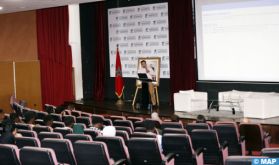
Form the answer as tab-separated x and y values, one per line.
97	122
155	116
174	118
143	63
71	107
69	122
109	131
201	119
30	117
9	127
14	117
149	126
48	120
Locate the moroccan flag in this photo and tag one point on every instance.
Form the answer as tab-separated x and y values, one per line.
119	83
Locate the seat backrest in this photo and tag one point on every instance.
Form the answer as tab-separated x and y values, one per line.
23	126
64	131
171	125
115	117
138	124
54	135
157	123
27	133
58	124
253	134
39	122
76	113
89	152
144	151
134	119
68	116
40	114
75	137
270	152
143	135
107	122
37	156
140	129
174	131
91	133
9	154
84	120
181	145
116	147
123	134
38	129
208	140
27	141
56	117
85	114
192	126
122	128
125	123
63	150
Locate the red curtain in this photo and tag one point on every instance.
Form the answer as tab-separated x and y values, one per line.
181	39
55	56
100	53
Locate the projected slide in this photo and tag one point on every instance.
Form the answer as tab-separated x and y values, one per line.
238	40
140	31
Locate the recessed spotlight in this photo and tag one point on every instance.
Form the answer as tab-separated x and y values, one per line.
1	7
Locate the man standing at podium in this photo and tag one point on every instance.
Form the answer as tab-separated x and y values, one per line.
150	72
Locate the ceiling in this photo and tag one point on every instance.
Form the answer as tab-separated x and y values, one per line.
10	6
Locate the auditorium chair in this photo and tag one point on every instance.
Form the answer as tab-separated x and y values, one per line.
27	133
63	150
191	126
255	138
76	113
84	120
91	133
138	124
107	122
39	122
38	129
140	129
56	117
67	112
229	133
181	146
270	152
213	151
157	123
27	141
123	134
37	156
124	123
54	135
134	119
171	125
95	116
40	115
89	152
64	131
174	131
115	117
143	135
49	108
241	160
9	154
68	116
85	114
146	151
23	126
127	129
116	147
56	124
75	137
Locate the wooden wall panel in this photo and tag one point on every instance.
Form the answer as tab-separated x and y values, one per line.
6	85
28	83
18	36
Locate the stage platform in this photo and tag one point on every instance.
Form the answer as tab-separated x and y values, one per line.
109	107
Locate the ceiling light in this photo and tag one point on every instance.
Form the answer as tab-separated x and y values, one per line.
1	7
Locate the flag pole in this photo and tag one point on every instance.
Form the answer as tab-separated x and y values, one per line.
120	100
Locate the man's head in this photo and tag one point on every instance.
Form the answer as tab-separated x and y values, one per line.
71	107
14	117
69	122
201	119
149	126
143	63
48	120
30	117
97	122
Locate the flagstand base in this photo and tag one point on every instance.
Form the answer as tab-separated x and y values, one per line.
119	102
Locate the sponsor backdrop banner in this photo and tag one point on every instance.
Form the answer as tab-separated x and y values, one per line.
140	31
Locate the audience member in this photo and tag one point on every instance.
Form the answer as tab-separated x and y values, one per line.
109	131
49	109
97	125
151	129
69	122
14	117
30	117
155	116
200	119
68	110
48	120
9	132
174	118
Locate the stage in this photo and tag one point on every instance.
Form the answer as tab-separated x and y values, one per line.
109	107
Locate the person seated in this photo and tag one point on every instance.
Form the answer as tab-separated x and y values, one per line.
155	116
174	118
14	117
29	118
68	110
9	132
200	119
109	131
97	125
69	122
48	120
151	129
